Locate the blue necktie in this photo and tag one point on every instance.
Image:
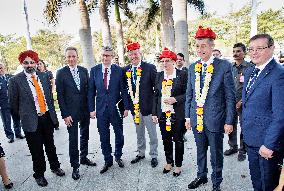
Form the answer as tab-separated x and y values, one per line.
134	74
204	68
253	78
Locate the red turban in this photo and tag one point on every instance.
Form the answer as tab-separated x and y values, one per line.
132	45
28	53
166	53
205	33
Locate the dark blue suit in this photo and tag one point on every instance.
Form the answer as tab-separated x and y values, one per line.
219	109
104	102
5	110
74	103
263	124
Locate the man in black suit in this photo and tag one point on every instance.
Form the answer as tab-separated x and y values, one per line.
5	108
30	99
180	63
141	81
72	94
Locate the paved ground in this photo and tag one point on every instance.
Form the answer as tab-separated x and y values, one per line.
134	177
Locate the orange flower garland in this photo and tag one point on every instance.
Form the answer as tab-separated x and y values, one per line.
135	98
200	95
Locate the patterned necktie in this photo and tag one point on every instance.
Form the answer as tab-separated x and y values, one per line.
204	68
76	78
134	74
253	78
105	77
39	95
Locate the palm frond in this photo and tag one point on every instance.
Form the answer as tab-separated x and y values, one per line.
52	11
152	12
198	4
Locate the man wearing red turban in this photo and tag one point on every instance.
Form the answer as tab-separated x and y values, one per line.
141	91
30	98
209	107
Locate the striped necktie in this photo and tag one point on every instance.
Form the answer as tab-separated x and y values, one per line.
253	78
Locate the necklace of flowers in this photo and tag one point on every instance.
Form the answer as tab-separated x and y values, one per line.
166	93
135	98
200	95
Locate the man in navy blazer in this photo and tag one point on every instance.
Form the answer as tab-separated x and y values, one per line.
106	89
72	94
212	113
5	108
142	97
263	114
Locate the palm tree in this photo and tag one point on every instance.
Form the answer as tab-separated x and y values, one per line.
105	23
181	26
52	12
119	33
253	24
168	39
28	34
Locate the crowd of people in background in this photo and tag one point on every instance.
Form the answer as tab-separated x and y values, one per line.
210	97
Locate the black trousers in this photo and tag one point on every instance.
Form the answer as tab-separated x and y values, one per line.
175	135
73	141
35	140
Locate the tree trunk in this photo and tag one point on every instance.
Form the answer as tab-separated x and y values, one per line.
28	34
181	27
253	24
168	38
106	35
86	35
119	33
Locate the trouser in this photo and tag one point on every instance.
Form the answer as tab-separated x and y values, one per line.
6	119
103	123
73	141
35	140
147	122
176	135
233	137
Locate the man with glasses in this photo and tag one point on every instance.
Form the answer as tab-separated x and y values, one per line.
72	93
141	82
31	100
238	68
106	89
263	113
5	108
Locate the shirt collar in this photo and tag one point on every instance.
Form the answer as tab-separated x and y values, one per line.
30	75
174	75
139	65
210	61
103	66
261	67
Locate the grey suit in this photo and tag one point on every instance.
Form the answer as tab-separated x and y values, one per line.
38	129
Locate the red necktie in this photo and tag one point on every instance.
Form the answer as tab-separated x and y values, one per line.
105	77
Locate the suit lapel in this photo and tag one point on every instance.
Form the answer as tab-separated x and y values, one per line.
100	76
25	85
43	84
112	76
262	75
82	78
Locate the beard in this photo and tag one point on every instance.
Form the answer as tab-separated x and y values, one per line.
30	70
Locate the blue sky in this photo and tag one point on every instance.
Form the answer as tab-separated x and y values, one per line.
12	19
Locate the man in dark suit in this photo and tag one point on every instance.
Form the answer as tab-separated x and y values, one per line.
180	63
30	99
107	87
141	82
5	108
209	107
263	113
72	94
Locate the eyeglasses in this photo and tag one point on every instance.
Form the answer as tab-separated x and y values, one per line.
28	62
258	49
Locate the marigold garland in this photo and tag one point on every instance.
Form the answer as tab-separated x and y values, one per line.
135	98
201	94
168	109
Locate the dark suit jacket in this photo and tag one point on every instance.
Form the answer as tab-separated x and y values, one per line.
106	97
178	92
263	108
219	107
4	101
147	83
22	101
72	102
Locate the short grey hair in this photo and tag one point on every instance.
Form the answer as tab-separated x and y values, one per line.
107	48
